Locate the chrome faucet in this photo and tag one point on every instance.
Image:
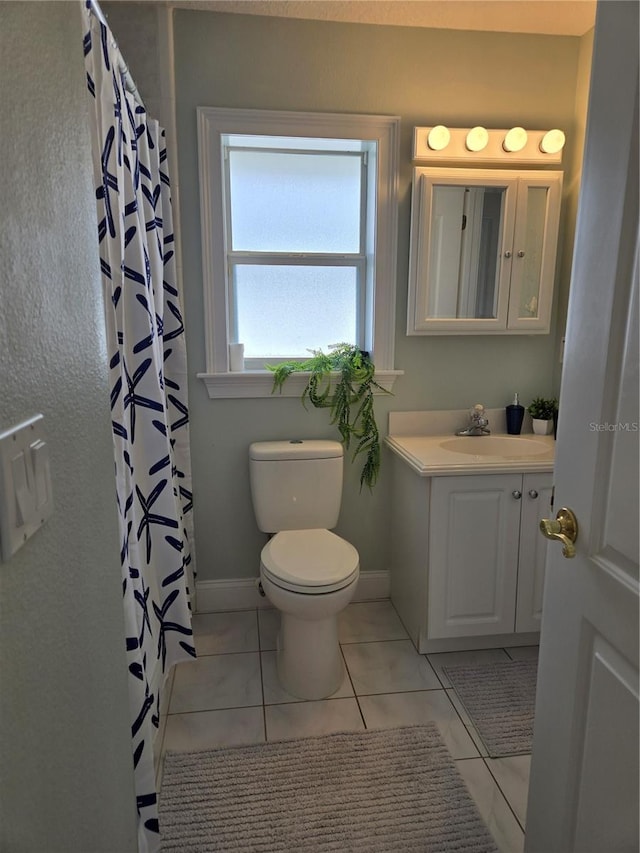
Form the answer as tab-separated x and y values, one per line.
478	422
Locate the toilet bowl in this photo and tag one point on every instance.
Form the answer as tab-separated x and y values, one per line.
309	576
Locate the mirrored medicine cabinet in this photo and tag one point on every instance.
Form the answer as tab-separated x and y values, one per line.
483	251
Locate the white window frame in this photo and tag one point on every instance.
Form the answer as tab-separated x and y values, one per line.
213	124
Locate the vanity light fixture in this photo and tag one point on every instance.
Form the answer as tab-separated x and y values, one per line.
515	139
552	142
477	139
479	144
438	138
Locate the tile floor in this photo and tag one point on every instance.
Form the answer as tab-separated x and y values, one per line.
231	695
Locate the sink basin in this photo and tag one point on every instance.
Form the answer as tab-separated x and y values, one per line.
504	446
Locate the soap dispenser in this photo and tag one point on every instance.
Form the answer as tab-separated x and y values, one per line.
515	416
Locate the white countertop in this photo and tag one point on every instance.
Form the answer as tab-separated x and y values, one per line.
428	457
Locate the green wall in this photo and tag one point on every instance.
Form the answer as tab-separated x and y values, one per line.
427	77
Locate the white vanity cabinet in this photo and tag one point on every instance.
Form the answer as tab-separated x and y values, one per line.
468	559
483	251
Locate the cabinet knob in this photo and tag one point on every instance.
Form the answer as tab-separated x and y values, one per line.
533	494
507	254
517	495
521	254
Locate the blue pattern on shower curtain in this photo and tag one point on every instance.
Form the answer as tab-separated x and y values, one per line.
148	384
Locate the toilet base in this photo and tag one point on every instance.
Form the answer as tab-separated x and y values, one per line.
309	659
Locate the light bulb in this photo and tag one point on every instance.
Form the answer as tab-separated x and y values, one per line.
438	138
515	139
477	139
552	141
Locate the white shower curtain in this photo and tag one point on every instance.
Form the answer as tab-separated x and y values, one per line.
148	383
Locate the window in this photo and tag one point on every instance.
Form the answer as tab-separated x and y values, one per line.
299	220
296	244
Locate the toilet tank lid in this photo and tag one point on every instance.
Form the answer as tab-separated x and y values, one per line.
295	449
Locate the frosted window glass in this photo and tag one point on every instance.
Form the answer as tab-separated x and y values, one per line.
284	311
294	202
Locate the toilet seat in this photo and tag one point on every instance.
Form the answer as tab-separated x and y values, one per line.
310	561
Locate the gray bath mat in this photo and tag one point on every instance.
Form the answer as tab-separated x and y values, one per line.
500	698
380	791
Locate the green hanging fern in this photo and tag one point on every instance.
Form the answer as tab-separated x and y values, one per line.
349	397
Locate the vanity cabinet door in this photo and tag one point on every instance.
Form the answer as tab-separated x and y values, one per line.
536	504
473	554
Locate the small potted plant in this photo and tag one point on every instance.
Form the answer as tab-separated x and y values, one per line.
348	394
542	413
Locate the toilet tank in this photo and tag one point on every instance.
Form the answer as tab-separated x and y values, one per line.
296	485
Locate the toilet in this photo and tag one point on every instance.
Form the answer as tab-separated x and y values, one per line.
307	572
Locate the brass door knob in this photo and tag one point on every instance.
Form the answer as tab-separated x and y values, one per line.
564	528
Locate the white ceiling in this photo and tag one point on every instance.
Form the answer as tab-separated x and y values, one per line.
555	17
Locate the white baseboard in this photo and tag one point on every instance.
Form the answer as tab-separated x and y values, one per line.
372	586
243	594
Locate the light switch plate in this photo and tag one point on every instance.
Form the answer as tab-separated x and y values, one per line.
26	499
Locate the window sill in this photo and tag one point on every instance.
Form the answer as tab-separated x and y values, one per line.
259	383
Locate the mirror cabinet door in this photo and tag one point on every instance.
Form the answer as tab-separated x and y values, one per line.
534	251
459	276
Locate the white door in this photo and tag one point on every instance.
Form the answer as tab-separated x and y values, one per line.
583	793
